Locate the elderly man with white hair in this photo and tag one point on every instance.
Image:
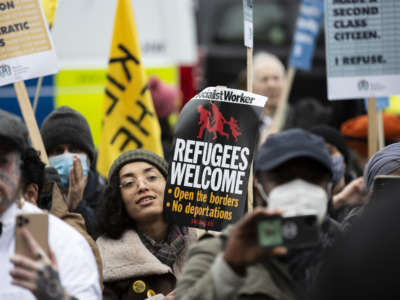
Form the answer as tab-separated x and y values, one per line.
269	80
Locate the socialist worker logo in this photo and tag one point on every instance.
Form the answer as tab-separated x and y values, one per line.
213	121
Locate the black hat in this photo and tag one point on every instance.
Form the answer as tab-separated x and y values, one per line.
67	126
333	137
138	155
289	144
12	129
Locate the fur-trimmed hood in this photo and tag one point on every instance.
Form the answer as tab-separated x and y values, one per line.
128	257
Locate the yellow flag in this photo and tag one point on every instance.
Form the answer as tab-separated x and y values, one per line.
129	119
49	7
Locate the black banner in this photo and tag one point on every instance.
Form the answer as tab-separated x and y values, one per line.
212	154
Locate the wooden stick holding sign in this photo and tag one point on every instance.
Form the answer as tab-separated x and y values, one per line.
372	127
381	130
280	114
37	93
30	121
250	70
250	199
248	42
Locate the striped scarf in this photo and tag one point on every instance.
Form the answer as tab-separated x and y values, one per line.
167	250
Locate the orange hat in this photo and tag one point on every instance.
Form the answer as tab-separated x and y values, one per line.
356	131
358	127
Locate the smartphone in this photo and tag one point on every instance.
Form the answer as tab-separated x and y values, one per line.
292	232
385	186
37	224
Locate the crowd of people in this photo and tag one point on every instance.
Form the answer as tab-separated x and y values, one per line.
108	238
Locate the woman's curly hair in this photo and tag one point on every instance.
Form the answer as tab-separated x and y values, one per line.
112	216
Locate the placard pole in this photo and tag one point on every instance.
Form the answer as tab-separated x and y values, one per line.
250	70
372	127
280	114
250	89
30	121
381	130
37	93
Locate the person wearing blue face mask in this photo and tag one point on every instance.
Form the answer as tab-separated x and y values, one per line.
69	144
348	191
339	153
64	162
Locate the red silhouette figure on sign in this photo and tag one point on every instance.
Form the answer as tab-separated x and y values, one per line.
233	125
218	122
204	122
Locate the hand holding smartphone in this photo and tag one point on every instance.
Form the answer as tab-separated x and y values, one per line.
37	225
242	246
292	232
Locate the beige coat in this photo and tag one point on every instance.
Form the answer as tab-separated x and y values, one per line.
127	260
59	208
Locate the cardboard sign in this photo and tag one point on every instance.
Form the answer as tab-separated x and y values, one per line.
307	29
211	159
26	49
361	48
248	23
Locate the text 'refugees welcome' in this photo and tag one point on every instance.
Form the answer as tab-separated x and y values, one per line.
214	166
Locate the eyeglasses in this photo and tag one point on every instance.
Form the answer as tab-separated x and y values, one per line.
132	182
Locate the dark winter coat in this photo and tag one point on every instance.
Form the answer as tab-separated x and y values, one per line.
87	207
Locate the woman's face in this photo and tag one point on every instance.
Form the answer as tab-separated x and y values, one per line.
142	189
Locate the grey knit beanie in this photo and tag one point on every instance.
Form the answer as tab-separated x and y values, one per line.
12	129
138	155
67	126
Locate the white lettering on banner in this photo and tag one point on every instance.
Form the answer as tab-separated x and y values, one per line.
206	165
303	38
298	50
311	11
308	24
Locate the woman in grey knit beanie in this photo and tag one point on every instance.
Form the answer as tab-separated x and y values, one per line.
142	254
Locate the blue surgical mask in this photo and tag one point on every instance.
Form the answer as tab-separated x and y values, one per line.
63	164
338	168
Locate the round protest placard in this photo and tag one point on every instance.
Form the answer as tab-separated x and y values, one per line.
212	154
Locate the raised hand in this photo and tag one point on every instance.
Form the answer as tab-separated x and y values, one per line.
39	275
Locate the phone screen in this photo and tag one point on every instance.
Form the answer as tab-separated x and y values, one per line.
386	186
270	232
292	232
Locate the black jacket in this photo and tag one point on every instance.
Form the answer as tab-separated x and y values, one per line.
87	207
